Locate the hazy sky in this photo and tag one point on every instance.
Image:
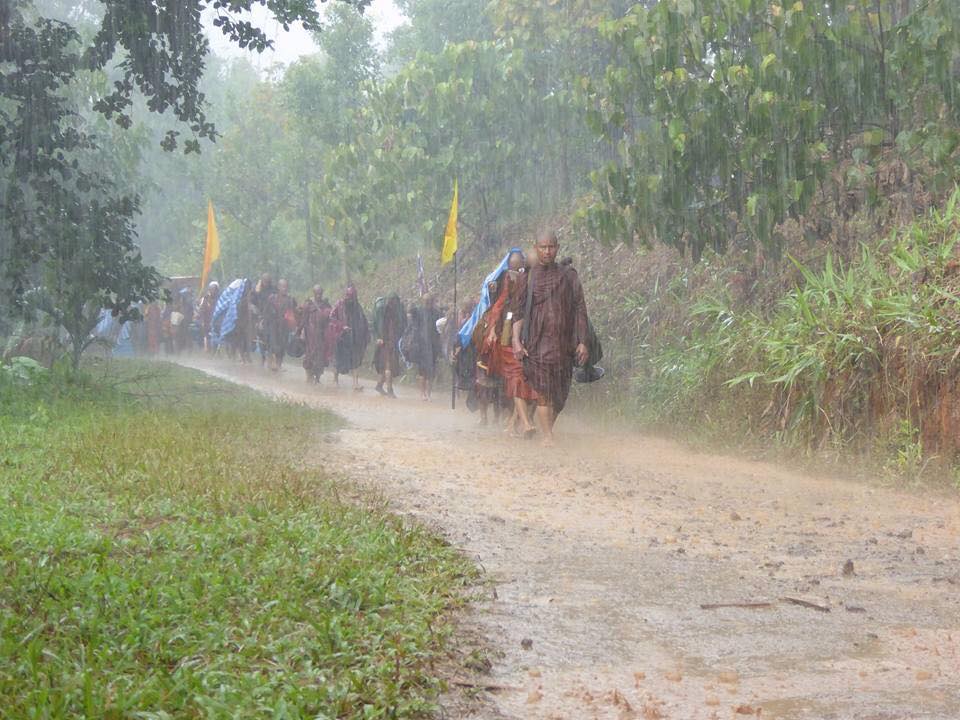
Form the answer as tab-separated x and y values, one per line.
291	45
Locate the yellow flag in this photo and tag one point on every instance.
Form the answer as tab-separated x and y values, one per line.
450	234
212	251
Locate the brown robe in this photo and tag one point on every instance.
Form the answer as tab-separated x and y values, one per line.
499	358
314	320
556	324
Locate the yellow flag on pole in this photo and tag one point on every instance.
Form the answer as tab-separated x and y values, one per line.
450	234
212	251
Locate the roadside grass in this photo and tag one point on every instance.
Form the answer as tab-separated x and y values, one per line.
164	554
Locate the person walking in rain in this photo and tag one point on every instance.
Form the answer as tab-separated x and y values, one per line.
314	319
551	331
279	320
389	322
350	336
424	344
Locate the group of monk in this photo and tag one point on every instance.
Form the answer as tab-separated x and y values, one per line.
515	348
525	336
265	318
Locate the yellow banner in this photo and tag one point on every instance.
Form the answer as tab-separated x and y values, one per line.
450	234
212	252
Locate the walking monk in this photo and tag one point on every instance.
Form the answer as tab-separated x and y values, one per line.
489	331
389	322
425	345
279	320
349	334
205	308
551	330
314	321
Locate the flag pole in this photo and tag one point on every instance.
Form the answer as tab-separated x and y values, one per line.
456	317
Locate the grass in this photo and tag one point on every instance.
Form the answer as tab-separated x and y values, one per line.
163	554
856	356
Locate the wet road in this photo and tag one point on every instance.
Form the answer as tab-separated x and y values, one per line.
602	551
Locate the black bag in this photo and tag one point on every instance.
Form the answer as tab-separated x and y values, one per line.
594	346
295	346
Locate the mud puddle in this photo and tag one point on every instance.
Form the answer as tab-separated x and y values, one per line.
602	552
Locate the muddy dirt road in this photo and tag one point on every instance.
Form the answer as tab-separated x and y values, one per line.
603	552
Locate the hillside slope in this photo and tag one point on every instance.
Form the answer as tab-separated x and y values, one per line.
838	348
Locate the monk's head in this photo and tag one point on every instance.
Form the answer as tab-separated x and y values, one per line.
429	300
547	248
515	261
351	294
317	293
282	287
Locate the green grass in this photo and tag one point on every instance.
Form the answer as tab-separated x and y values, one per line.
856	356
165	553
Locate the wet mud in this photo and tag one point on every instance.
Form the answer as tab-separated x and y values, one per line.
633	578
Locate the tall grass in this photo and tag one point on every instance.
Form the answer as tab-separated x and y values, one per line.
164	553
851	353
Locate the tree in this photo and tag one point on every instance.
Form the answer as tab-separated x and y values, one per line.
333	85
729	115
253	182
51	200
464	113
434	24
93	265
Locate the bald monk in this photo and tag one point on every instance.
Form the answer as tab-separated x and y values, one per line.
550	335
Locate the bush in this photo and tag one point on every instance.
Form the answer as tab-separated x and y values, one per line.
850	353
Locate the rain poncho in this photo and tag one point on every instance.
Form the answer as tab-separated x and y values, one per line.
224	319
466	332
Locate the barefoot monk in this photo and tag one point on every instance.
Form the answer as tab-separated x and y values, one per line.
551	331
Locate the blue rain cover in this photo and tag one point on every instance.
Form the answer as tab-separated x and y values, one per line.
226	310
466	332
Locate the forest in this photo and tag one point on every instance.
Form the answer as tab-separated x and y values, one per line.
744	137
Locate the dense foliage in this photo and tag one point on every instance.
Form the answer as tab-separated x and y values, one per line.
63	213
696	123
732	115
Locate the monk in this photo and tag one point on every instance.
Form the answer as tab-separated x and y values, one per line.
350	335
205	308
389	322
258	300
314	323
153	321
551	330
230	323
279	320
425	344
493	338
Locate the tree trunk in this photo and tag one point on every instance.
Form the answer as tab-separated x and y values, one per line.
309	227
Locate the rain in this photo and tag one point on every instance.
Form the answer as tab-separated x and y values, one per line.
492	359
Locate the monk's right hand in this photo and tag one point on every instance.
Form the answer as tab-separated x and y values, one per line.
519	351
